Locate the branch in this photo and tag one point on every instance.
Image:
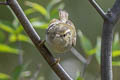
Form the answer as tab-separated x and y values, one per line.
106	45
13	4
116	11
106	51
110	19
98	9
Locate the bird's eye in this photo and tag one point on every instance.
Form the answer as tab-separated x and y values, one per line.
64	35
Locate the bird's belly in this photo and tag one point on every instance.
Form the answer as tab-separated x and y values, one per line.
59	47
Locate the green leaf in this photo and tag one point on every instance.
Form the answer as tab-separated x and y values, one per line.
85	42
34	19
116	63
19	29
54	13
40	25
79	78
61	6
18	71
116	53
26	74
41	78
116	42
29	11
8	49
51	4
6	28
15	23
92	51
19	37
8	23
2	36
4	76
37	7
98	47
116	38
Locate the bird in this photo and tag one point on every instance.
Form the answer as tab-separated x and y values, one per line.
61	33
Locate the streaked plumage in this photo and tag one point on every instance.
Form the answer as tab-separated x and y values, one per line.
61	33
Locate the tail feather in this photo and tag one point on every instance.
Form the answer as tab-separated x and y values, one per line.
63	15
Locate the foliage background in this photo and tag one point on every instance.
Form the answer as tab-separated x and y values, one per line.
84	17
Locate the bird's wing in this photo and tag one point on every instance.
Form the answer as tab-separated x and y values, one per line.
74	33
52	23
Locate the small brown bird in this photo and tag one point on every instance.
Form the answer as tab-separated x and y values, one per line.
61	33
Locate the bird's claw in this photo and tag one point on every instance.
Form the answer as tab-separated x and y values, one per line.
57	60
42	43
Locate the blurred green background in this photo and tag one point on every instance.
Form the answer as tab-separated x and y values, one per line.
85	18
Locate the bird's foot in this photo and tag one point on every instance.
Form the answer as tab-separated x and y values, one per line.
42	43
57	60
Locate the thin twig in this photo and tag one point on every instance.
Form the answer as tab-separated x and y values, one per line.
85	65
98	9
97	76
83	60
115	11
20	55
57	68
78	55
3	3
35	75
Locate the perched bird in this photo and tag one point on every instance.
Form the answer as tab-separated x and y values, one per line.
61	33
